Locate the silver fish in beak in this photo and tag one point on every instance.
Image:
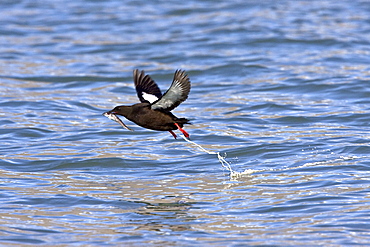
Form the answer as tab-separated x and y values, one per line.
115	118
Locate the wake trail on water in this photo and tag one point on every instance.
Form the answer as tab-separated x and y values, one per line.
234	175
224	163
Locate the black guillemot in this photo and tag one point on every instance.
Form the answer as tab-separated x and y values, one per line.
154	111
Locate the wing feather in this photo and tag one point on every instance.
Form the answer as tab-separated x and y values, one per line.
146	88
176	94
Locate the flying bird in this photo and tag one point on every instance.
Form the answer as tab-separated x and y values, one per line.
154	111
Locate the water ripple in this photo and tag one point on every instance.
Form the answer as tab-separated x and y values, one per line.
280	89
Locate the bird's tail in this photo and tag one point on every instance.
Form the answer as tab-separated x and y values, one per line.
182	121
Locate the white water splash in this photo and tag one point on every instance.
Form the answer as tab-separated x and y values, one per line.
234	175
224	163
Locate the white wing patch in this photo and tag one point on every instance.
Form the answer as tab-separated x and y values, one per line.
149	97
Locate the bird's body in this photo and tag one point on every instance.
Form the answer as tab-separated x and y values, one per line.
144	116
154	111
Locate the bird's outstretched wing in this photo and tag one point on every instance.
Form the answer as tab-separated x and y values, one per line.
146	88
176	94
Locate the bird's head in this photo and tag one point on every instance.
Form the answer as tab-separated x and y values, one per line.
120	110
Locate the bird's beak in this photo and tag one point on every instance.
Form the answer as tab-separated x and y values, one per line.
108	113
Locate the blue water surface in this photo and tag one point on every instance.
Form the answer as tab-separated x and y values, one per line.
280	89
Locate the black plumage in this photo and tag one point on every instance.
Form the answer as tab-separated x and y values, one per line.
154	111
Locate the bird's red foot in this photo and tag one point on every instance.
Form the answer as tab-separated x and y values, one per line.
183	131
173	134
